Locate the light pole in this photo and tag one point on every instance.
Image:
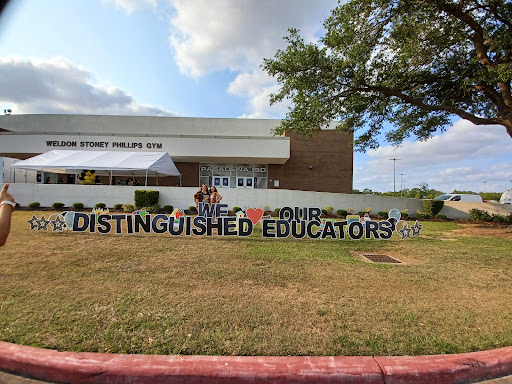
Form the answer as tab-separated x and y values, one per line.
394	175
401	181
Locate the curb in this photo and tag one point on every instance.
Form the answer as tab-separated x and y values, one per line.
88	367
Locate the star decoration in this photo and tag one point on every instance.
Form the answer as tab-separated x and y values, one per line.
42	223
405	232
58	224
416	228
33	222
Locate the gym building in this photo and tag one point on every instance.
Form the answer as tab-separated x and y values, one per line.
228	153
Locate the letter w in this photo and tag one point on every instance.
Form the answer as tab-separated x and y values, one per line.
205	210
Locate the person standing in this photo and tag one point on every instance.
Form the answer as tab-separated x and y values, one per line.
215	196
7	206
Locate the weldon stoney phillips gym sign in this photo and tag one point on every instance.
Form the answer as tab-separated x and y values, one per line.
212	220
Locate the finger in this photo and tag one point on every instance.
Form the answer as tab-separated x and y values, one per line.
6	186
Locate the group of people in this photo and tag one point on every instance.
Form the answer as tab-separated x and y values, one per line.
129	181
207	195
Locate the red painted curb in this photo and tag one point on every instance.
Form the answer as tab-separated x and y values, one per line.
84	367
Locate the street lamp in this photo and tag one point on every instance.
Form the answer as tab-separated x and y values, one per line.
394	175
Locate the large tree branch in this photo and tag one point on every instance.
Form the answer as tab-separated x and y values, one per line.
490	92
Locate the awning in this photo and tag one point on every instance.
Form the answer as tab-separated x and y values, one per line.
117	163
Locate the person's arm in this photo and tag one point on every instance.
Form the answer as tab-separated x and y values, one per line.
6	209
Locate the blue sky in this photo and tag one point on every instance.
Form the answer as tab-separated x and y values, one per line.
201	58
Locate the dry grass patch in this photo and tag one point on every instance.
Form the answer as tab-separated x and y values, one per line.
218	296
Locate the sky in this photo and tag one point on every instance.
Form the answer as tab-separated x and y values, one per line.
199	58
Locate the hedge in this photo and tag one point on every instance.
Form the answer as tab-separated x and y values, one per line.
146	198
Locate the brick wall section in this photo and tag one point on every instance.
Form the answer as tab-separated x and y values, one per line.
329	153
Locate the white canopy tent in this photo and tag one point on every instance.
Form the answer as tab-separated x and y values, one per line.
111	163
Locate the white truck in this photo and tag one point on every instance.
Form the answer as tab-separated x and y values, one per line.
460	197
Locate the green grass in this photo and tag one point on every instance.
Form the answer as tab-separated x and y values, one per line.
158	294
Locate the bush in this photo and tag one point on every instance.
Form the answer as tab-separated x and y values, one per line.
342	212
236	209
34	205
405	215
277	210
383	214
192	208
499	218
440	217
100	205
422	215
146	198
155	208
58	205
329	209
77	206
266	208
324	211
361	213
118	207
168	208
128	208
479	215
432	207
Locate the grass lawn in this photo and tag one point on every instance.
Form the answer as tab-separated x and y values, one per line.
158	294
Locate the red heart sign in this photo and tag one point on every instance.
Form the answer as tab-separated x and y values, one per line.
254	214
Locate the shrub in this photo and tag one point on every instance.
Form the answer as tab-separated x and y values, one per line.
192	208
128	208
383	214
146	198
432	207
118	207
277	210
422	215
499	218
440	217
58	205
168	208
34	205
324	211
406	215
479	215
341	212
361	213
77	206
155	208
266	208
236	209
329	209
100	205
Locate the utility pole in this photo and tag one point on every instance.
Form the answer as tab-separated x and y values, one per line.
394	176
401	181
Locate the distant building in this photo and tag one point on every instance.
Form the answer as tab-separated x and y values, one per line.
229	153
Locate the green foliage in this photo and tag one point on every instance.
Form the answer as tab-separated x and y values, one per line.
499	218
440	217
422	215
342	212
168	208
145	198
432	207
236	209
479	215
329	209
324	211
490	196
277	210
100	205
192	208
77	206
405	215
383	214
58	206
448	58
128	208
361	213
118	207
34	205
155	208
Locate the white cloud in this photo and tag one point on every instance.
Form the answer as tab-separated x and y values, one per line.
465	157
58	86
237	35
130	6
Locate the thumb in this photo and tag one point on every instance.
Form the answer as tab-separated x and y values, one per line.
4	189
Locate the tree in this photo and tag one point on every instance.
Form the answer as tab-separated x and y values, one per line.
413	63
